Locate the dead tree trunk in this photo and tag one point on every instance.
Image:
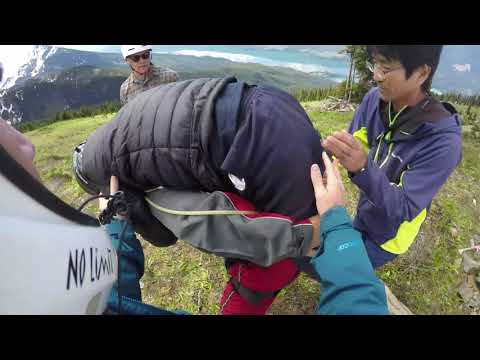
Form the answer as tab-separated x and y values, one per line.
348	78
352	81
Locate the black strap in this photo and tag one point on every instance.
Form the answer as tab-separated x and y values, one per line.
252	296
229	262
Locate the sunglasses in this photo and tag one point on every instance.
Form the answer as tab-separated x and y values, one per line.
136	58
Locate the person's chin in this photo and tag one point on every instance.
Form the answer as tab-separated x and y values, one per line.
383	95
143	70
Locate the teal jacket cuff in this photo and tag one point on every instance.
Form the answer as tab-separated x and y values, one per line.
332	217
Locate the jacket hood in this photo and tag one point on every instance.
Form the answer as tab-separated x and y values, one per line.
429	117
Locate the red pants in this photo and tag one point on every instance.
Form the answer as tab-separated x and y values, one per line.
256	278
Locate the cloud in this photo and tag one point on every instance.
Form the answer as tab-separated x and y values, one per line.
244	58
308	68
274	47
217	54
462	67
324	54
94	48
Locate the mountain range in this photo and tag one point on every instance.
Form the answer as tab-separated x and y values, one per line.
459	68
54	79
57	79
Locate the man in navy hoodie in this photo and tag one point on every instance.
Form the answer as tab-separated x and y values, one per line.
400	149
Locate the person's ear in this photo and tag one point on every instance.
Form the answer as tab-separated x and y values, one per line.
423	72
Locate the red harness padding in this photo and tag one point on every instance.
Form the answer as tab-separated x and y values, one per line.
252	288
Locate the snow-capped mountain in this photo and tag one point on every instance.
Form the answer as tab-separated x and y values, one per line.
44	62
33	66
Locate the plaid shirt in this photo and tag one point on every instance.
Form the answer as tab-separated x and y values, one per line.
156	76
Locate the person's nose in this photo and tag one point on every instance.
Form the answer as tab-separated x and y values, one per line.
377	77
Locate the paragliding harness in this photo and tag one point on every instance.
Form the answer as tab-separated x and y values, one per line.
135	205
127	204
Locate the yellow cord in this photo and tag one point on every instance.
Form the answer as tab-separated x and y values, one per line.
199	212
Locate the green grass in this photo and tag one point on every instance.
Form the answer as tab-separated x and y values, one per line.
180	277
427	277
54	145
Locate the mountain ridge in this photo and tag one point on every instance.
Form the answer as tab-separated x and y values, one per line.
68	79
457	72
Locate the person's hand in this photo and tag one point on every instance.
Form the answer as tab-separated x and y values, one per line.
18	146
333	193
114	185
347	150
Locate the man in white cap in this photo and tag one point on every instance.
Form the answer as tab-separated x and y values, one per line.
144	74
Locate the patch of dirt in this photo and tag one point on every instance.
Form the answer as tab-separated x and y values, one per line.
52	161
419	251
56	183
470	293
469	289
330	104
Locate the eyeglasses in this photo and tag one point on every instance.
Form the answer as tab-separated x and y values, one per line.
136	57
381	72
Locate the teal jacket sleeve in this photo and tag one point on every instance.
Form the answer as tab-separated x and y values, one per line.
349	283
131	264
